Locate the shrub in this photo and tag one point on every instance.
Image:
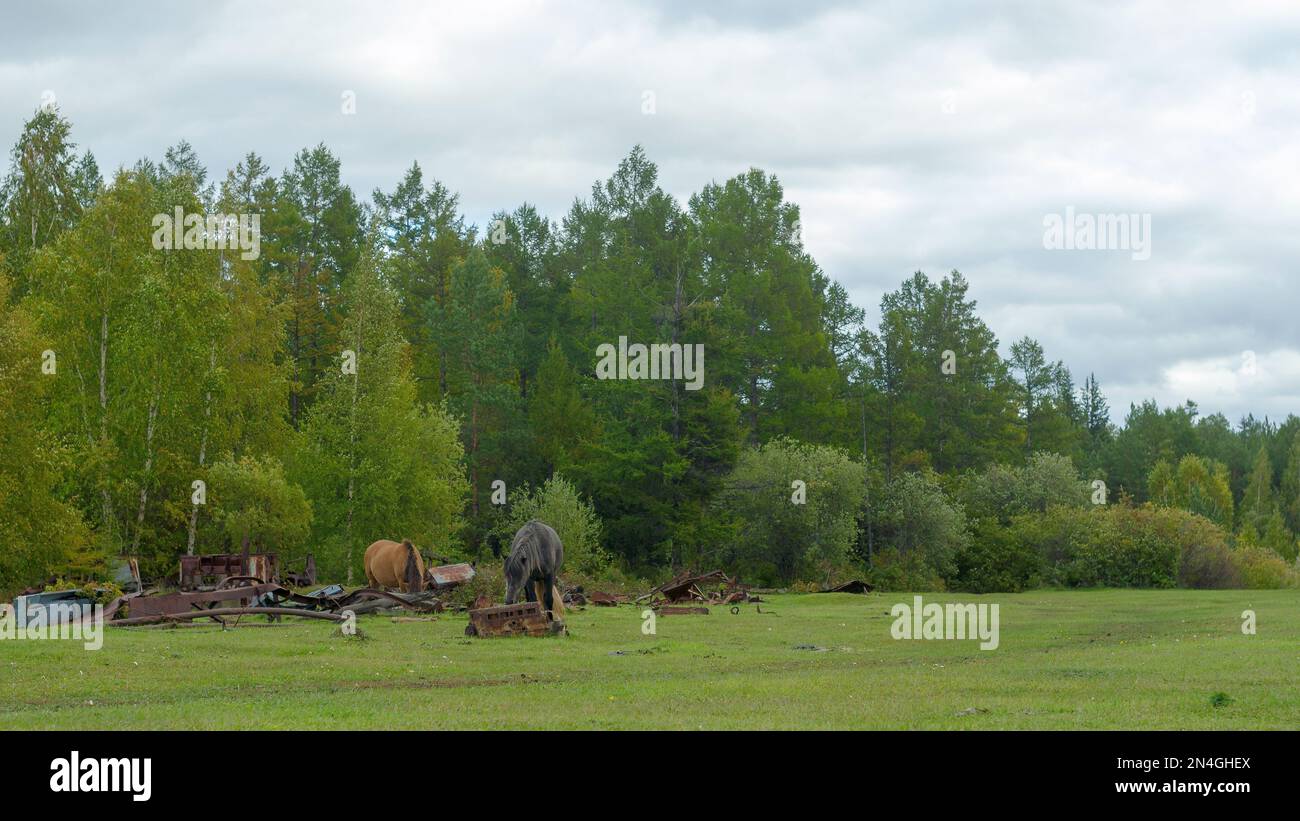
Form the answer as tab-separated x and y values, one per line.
998	562
1124	546
252	498
1003	492
915	518
892	570
558	504
1262	569
1206	560
778	538
1125	550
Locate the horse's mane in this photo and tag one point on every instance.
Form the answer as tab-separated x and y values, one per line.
529	543
412	570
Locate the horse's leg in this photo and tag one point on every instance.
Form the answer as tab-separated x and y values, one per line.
530	591
549	593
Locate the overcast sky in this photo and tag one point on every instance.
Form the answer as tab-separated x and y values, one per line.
912	135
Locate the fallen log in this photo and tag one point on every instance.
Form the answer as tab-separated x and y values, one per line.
228	611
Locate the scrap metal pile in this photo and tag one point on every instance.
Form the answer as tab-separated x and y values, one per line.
238	591
702	588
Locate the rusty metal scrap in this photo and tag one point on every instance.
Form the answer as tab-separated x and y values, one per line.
198	571
525	619
715	587
329	600
449	575
683	611
176	603
854	586
218	612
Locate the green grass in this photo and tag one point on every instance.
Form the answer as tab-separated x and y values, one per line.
1172	659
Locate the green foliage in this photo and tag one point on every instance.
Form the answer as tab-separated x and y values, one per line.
44	192
1001	492
250	497
476	361
40	530
373	462
1046	397
996	561
1125	546
475	325
1262	569
963	419
1125	549
559	504
914	517
892	570
1198	485
779	535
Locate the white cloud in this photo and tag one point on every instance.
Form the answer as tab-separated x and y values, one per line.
913	136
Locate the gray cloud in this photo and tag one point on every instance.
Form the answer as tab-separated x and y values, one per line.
913	136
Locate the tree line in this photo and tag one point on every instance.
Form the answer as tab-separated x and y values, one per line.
381	368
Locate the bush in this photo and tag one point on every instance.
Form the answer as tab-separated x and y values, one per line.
252	498
1125	550
915	517
1262	569
892	570
787	532
1206	560
1124	546
558	504
998	562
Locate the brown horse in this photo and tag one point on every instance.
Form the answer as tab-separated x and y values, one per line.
390	564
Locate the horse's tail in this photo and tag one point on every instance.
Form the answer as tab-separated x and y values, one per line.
412	572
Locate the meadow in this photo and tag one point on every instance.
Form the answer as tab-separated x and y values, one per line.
1102	659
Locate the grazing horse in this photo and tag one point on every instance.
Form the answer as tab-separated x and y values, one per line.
390	564
535	558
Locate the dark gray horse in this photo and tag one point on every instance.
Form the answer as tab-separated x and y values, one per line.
535	558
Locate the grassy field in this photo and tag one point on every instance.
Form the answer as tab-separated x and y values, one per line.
1067	660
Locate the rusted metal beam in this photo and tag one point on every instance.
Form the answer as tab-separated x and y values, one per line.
228	611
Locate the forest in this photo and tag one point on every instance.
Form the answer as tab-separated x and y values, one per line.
380	368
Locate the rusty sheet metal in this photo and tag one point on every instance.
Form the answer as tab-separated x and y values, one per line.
218	612
214	568
683	611
172	603
526	619
451	574
690	586
855	586
602	599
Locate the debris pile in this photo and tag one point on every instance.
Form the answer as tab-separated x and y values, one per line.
854	586
227	585
714	587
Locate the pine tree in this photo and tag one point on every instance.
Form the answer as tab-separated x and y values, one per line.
311	243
